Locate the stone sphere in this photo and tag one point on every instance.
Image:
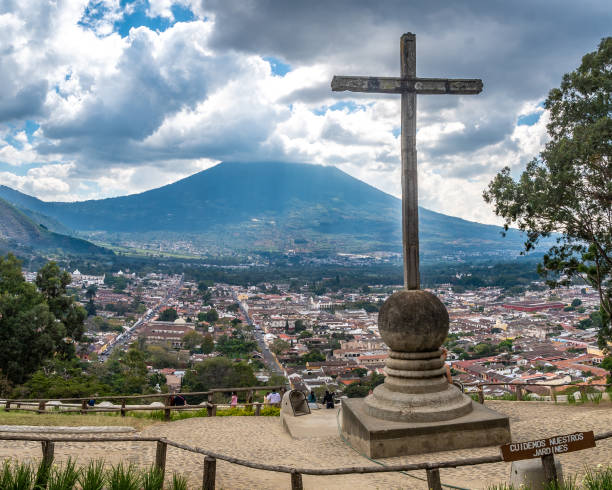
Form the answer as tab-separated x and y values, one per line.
413	321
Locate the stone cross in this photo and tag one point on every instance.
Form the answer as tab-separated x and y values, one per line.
408	85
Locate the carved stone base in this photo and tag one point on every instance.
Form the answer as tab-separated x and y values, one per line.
416	390
379	438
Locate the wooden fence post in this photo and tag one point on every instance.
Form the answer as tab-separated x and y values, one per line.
210	470
42	475
41	407
433	479
249	398
167	410
257	409
550	470
48	448
519	393
214	410
296	481
7	406
83	407
160	456
480	395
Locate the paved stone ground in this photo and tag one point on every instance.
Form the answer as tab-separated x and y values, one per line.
263	440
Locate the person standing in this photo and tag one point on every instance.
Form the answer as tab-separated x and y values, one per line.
234	400
328	399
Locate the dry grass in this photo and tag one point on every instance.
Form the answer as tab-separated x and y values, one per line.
72	420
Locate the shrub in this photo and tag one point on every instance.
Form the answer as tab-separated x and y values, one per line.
153	479
92	477
121	477
64	477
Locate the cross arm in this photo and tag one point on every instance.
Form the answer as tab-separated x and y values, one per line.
392	85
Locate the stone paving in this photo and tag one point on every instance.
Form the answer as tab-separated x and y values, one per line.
263	440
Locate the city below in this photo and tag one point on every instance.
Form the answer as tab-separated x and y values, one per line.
332	341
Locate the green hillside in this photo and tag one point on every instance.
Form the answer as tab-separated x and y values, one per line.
19	233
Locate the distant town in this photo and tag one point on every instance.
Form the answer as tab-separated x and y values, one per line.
331	341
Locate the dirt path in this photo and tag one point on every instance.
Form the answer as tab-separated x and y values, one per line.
263	440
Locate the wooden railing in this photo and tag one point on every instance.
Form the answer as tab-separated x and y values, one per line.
211	457
43	403
519	387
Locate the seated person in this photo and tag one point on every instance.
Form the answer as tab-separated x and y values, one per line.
312	401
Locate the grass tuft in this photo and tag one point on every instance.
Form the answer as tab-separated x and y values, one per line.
64	477
153	479
122	477
598	479
92	476
179	482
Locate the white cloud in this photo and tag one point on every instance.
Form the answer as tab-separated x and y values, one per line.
120	115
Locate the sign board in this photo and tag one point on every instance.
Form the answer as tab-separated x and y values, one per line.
548	446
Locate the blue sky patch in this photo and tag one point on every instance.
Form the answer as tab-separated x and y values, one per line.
20	170
350	105
529	119
95	11
278	67
30	128
532	118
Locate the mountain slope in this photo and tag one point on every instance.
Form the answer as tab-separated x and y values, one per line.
19	233
269	203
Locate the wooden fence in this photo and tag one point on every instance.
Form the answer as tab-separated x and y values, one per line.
519	387
211	457
44	403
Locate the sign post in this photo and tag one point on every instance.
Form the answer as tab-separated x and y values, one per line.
546	448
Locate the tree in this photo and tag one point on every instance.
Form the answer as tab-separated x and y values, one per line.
192	340
211	316
168	315
235	346
61	379
314	355
52	283
90	307
568	188
299	326
279	346
91	291
277	379
357	390
607	364
219	372
29	333
208	344
483	349
234	307
161	357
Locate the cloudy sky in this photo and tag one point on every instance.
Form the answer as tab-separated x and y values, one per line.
112	97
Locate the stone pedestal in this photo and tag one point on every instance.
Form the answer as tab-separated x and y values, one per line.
416	410
379	438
